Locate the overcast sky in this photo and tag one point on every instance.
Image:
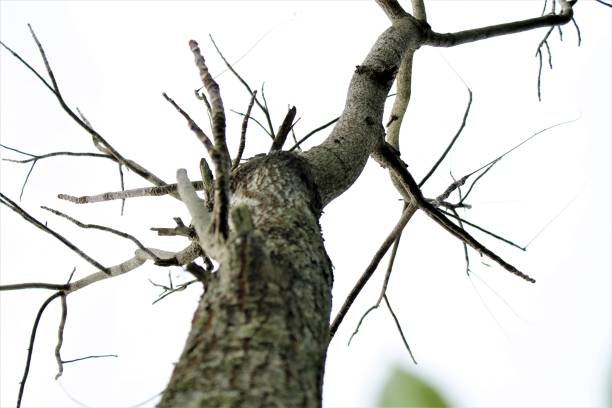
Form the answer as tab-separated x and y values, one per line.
549	347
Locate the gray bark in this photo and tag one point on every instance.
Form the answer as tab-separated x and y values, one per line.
260	333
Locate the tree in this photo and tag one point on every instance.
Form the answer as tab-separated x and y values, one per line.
318	299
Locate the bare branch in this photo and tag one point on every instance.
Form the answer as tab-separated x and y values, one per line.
391	159
452	142
132	193
34	285
99	141
452	39
283	130
13	206
74	360
103	228
202	137
34	157
383	289
180	230
221	156
399	328
245	123
263	108
479	228
182	257
367	274
26	371
309	134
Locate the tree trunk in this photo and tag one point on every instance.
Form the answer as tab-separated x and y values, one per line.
260	333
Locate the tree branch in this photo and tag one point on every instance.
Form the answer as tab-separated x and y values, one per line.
221	156
452	39
13	206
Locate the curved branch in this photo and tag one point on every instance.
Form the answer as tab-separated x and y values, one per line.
338	161
452	39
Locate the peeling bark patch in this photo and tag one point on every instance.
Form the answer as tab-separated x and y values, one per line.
383	77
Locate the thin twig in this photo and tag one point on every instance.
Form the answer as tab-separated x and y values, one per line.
399	328
103	228
312	132
263	108
539	55
367	274
505	240
253	119
74	360
391	159
26	371
452	142
243	130
383	289
99	141
122	182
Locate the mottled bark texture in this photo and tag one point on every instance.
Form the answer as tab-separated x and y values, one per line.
261	330
260	333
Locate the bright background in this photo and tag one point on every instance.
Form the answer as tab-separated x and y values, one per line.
114	59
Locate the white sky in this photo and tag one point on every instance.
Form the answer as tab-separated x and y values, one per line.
113	60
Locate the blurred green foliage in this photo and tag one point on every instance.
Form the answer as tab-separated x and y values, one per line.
404	390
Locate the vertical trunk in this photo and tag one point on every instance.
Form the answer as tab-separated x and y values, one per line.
260	333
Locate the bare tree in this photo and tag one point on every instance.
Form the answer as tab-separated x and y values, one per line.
262	327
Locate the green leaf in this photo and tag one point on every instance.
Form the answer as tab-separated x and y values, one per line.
403	389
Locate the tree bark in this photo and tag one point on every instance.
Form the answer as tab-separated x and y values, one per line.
260	333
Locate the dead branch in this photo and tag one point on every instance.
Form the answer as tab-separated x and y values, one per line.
367	274
26	371
389	158
98	139
132	193
263	108
103	228
452	142
202	137
221	157
245	123
283	130
312	132
399	328
383	288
